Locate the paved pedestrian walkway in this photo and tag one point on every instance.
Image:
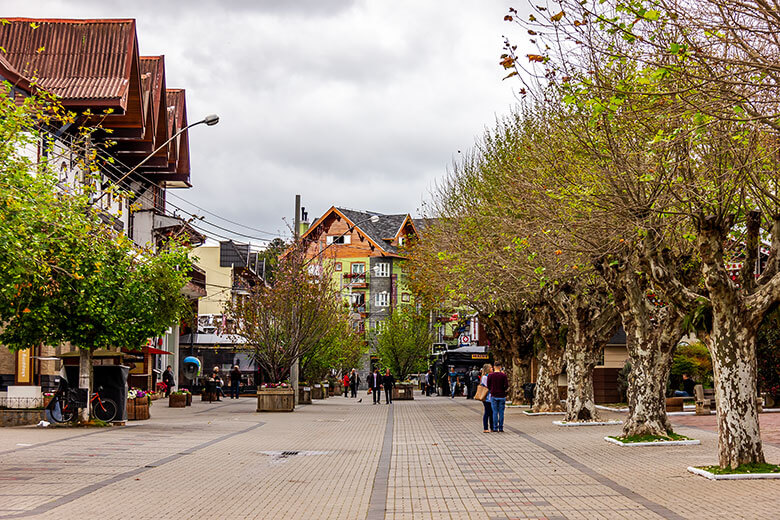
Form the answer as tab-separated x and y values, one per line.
340	459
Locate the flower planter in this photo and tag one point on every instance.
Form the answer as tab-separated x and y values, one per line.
275	400
317	392
403	392
304	395
138	409
177	400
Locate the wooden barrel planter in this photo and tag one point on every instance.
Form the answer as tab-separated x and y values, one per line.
338	389
138	409
403	392
275	400
304	395
189	398
317	392
177	400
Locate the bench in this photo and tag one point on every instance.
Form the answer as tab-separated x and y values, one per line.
674	404
705	400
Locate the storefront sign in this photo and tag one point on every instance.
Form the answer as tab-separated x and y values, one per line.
480	356
23	367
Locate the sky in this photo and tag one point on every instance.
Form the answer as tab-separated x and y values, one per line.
355	103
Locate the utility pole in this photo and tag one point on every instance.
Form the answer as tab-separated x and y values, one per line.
297	235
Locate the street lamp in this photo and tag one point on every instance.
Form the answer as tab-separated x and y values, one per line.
209	120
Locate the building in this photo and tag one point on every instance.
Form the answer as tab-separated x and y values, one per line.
364	253
95	69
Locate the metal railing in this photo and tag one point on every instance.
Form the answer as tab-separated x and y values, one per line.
20	403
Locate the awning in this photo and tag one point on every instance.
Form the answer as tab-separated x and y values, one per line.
153	350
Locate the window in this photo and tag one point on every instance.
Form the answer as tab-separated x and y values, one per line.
382	299
402	241
338	239
337	266
358	267
383	270
406	297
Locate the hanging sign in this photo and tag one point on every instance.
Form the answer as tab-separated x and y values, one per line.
23	367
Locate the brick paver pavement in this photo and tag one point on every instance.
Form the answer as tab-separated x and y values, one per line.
223	460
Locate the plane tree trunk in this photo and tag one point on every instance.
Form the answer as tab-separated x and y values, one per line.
550	357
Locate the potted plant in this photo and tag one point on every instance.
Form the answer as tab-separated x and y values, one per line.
138	402
177	399
304	393
275	397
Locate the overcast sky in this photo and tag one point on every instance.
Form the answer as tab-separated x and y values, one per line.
362	104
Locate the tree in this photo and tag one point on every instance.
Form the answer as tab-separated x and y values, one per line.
403	343
287	320
340	351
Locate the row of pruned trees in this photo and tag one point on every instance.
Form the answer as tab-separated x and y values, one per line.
638	173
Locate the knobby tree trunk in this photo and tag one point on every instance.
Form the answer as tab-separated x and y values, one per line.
733	348
521	374
652	333
547	398
85	379
580	403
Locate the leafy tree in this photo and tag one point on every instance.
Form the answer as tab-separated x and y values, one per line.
339	351
403	343
287	320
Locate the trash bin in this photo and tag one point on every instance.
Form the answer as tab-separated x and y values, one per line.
528	392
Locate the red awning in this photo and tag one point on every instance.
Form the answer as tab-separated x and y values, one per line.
153	350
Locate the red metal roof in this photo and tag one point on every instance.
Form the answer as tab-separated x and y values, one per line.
89	60
13	76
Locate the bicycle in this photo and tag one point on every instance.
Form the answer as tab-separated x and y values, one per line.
65	404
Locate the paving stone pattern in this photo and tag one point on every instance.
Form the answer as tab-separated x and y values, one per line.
224	460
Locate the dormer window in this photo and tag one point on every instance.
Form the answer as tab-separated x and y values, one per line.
401	241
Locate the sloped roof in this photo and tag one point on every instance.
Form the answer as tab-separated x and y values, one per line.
385	228
85	60
13	76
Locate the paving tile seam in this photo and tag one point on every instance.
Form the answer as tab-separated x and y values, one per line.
595	475
75	495
378	500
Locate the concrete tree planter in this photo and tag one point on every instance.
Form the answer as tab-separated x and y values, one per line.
275	399
403	392
177	400
317	392
21	417
304	395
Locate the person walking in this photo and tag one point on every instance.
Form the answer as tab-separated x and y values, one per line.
497	384
345	384
354	382
235	381
167	378
453	381
375	384
388	381
217	377
473	382
487	416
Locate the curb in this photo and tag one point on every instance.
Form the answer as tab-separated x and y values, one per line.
526	412
587	423
733	476
690	442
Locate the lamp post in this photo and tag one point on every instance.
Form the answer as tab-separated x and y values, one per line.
209	120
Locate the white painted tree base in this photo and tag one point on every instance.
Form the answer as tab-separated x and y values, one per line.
610	409
689	442
543	413
587	423
733	476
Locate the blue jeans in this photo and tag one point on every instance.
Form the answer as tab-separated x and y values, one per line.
487	417
681	393
452	388
498	404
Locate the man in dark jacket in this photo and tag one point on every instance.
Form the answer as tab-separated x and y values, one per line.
375	384
388	381
498	384
431	384
167	378
354	382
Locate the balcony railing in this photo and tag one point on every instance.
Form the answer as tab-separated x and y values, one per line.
354	280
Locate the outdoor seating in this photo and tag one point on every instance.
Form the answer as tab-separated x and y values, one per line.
674	404
704	404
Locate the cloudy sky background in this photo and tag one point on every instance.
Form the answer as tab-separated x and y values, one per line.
362	104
